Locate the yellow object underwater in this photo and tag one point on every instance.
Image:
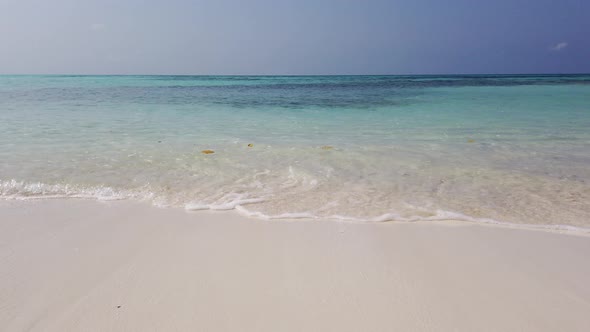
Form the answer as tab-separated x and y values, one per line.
207	151
327	147
250	145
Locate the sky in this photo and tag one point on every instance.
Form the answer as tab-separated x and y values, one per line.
294	37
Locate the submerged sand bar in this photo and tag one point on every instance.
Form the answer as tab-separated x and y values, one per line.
68	265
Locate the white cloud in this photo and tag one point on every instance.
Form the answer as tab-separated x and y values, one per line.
97	27
559	46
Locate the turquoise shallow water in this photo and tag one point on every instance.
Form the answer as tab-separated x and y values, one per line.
510	149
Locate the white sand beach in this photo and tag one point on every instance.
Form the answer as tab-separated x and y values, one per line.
122	266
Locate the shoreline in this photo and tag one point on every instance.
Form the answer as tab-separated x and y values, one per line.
70	265
239	211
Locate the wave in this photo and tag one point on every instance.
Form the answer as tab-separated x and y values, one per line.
440	215
21	190
13	189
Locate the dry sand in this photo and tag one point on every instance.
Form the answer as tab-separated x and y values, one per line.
121	266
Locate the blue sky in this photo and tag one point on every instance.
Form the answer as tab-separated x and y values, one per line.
294	36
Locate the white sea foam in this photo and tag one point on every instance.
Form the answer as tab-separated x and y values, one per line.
36	190
395	217
243	203
223	205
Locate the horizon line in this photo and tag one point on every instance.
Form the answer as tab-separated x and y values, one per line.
306	75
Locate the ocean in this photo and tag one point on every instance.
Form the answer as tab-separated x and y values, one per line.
485	148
